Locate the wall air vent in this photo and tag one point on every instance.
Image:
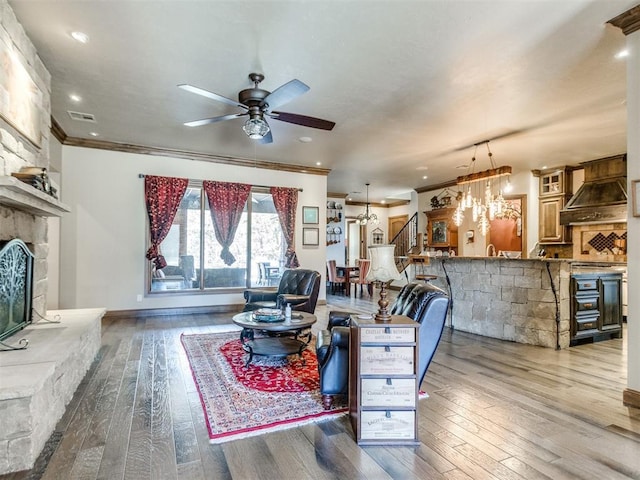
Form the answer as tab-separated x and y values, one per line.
82	117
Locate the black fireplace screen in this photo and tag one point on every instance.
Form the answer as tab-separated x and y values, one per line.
16	280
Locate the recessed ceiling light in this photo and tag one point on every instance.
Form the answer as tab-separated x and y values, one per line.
544	167
318	163
383	201
622	53
94	134
80	37
75	98
424	177
305	139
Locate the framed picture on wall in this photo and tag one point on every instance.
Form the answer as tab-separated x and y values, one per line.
635	197
310	215
311	236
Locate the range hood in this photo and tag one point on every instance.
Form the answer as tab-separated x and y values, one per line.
602	198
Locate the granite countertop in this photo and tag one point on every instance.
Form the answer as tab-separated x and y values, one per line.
573	261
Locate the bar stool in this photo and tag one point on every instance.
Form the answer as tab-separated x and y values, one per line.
419	265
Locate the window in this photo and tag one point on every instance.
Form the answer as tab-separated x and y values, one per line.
193	253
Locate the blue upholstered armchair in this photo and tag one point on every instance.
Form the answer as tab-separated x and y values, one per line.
424	303
298	287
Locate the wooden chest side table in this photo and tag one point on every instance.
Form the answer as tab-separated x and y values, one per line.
383	381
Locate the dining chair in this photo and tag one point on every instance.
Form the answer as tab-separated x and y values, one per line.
363	270
334	278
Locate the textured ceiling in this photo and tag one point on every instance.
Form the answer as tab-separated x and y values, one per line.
410	85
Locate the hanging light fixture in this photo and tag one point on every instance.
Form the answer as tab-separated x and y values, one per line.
256	127
366	217
488	203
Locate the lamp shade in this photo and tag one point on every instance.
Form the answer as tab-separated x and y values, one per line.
383	265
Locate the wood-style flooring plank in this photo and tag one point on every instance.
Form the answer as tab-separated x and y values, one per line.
163	455
114	457
211	456
138	462
252	458
192	471
294	458
86	464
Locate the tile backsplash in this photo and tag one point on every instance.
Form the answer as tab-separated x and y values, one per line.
606	243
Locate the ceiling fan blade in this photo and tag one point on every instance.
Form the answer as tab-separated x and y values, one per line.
206	121
285	93
211	95
303	120
268	138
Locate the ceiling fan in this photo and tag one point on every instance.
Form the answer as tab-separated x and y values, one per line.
258	103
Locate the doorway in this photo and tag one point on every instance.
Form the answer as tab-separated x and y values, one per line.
508	234
356	241
395	224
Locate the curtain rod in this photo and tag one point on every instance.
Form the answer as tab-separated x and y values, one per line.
142	175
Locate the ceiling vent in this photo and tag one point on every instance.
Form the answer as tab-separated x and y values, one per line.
82	117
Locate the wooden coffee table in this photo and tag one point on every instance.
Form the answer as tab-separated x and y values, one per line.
296	335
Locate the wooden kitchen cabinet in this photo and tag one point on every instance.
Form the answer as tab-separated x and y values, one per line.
555	192
442	233
611	303
383	381
550	230
596	306
555	182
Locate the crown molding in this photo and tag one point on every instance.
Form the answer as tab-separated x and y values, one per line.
396	203
631	398
336	195
184	154
57	131
629	21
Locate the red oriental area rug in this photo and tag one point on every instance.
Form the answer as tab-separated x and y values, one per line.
267	395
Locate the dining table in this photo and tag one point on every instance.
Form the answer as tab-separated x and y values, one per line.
348	271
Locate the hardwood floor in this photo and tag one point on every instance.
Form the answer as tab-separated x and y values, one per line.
497	410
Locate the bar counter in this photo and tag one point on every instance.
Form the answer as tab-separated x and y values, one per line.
521	300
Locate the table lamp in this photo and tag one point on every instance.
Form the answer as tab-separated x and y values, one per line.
382	269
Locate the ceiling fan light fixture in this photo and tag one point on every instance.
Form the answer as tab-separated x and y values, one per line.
256	128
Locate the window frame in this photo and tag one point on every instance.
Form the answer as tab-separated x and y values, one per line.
202	290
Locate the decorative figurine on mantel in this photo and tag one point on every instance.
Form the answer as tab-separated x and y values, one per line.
38	178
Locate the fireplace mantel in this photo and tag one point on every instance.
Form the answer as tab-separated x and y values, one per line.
19	195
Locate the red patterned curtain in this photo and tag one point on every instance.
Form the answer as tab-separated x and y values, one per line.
226	203
163	196
286	202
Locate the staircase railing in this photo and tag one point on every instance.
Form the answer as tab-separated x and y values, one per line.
406	242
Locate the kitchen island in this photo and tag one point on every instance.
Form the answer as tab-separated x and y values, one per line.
538	301
522	300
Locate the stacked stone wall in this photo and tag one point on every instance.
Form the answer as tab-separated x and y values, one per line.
16	151
508	299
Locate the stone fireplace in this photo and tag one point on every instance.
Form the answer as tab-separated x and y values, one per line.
37	383
23	212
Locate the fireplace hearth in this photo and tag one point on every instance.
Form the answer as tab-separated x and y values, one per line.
16	285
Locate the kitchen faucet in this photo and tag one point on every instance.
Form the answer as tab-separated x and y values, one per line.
491	248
